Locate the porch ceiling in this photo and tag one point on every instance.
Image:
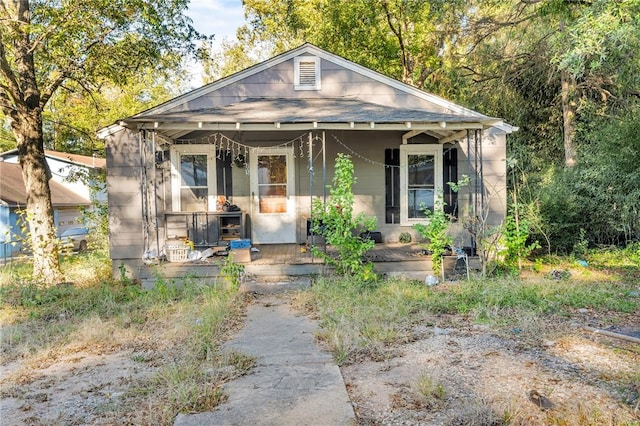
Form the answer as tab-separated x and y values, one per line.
278	114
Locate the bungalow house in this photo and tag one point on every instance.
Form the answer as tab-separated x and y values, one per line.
13	199
265	140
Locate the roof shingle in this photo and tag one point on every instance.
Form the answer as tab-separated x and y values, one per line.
13	192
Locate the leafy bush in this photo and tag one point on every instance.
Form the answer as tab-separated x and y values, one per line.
337	223
600	193
405	237
231	271
435	232
515	236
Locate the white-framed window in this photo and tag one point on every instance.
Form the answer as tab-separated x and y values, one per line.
306	74
420	181
193	178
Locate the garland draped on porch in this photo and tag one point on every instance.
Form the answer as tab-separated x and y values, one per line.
239	152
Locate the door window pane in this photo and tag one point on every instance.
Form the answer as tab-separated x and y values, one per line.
193	199
193	170
421	184
272	183
194	183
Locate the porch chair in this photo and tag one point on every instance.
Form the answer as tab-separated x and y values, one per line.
461	254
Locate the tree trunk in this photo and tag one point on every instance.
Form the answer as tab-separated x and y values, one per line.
23	103
36	175
568	87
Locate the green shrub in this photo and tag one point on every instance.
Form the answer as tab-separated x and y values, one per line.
599	194
405	237
340	227
231	271
515	236
435	232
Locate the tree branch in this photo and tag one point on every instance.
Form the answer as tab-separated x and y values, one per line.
87	90
63	124
50	30
53	85
398	33
12	88
69	70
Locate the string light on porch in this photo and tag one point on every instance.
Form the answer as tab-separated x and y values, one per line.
237	151
376	163
234	149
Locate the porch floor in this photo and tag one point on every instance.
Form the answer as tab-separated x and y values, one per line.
270	254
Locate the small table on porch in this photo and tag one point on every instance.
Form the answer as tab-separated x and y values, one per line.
206	229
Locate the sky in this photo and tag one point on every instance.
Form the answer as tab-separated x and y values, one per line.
219	17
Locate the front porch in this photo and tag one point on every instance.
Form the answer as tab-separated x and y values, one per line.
275	261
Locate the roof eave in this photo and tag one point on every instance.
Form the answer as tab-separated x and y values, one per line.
278	126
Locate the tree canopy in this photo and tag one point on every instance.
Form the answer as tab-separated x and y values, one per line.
566	72
49	47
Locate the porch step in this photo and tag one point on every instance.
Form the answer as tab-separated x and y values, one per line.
283	269
273	273
275	285
274	262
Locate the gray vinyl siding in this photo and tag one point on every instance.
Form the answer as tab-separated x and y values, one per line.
336	81
494	174
125	205
126	239
369	189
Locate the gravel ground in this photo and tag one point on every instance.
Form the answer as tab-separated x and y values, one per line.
487	379
454	372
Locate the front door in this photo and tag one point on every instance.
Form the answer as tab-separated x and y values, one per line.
273	208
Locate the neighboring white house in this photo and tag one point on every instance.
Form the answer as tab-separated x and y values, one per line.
13	201
65	169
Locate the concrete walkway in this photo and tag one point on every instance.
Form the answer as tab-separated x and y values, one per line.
295	382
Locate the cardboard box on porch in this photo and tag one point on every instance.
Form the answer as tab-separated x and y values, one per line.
241	255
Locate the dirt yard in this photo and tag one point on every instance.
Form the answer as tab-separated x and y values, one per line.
482	378
453	373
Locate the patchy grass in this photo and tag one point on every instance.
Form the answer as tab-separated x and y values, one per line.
491	299
368	326
467	352
364	320
172	333
430	392
361	321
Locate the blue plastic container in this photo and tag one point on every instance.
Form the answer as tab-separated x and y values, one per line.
240	244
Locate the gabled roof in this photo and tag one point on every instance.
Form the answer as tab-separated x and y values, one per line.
76	159
293	113
306	110
13	192
308	49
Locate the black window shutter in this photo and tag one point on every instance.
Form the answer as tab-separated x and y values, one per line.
450	171
224	175
392	185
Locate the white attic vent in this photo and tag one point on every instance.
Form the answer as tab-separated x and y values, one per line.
306	73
